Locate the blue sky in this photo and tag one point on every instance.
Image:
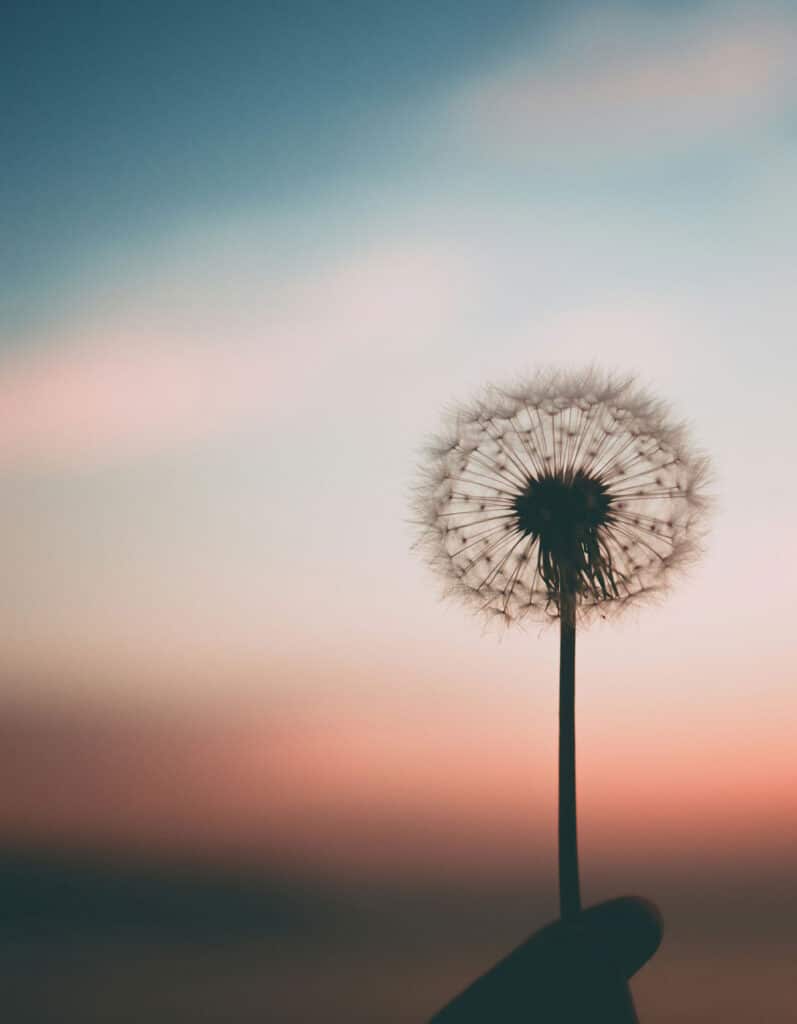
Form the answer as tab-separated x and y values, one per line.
129	120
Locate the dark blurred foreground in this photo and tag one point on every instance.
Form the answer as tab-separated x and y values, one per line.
97	941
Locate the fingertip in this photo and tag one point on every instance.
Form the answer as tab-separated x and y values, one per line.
631	926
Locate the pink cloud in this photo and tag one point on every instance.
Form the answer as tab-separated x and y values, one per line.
119	395
121	388
637	82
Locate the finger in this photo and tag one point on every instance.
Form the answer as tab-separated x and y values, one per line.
561	975
567	971
630	927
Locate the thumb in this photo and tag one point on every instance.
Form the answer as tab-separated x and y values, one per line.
569	971
629	927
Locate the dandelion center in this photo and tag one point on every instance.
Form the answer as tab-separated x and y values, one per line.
562	512
565	514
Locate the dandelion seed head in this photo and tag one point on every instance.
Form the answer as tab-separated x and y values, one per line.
563	483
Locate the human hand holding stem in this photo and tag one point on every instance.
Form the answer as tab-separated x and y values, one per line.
570	971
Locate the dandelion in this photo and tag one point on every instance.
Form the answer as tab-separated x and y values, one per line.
562	497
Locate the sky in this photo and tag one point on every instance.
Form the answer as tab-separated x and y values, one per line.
251	254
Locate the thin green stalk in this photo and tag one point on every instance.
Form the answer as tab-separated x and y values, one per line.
569	888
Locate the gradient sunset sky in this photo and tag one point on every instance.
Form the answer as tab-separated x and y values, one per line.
251	252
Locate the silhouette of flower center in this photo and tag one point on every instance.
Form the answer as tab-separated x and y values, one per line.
559	511
565	515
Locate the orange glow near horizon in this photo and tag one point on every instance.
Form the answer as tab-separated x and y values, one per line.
378	791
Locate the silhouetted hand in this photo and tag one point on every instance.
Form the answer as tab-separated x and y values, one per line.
569	972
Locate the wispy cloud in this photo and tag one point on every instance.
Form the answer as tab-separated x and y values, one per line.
134	382
638	81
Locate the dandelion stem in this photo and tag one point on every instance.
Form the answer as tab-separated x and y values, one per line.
569	889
